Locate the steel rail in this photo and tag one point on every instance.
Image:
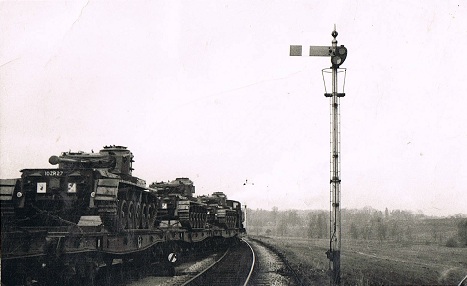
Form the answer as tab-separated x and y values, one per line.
207	268
252	263
250	273
465	278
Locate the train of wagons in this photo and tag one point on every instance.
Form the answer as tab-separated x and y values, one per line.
63	225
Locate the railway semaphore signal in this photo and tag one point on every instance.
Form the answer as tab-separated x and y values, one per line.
338	54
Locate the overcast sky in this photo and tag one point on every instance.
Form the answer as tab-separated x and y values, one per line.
207	90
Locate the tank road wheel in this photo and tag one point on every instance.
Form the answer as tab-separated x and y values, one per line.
151	215
144	216
131	215
138	215
190	219
123	214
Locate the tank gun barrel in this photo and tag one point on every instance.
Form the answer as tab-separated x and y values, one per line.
54	160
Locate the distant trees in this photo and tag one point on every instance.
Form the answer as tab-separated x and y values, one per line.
275	211
402	226
462	231
437	233
461	238
365	224
381	229
282	229
409	233
366	232
317	226
395	230
321	225
353	231
309	227
292	218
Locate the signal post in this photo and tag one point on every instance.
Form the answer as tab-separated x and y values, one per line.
338	55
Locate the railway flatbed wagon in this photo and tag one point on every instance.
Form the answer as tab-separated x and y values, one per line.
62	226
76	253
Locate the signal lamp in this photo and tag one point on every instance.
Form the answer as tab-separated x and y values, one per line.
338	56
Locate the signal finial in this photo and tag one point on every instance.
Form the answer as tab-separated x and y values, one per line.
334	33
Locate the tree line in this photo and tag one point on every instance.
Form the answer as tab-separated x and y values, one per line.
361	224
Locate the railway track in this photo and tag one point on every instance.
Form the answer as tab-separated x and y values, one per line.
250	263
233	268
247	263
271	268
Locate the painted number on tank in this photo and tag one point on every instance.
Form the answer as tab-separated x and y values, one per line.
53	173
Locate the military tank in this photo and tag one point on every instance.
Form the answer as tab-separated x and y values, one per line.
67	225
177	204
223	213
84	184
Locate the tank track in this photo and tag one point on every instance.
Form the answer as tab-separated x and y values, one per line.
227	219
231	219
134	209
192	215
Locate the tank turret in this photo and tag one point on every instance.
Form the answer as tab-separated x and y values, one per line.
117	159
178	203
179	186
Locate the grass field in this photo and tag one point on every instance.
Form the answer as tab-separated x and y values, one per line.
374	263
